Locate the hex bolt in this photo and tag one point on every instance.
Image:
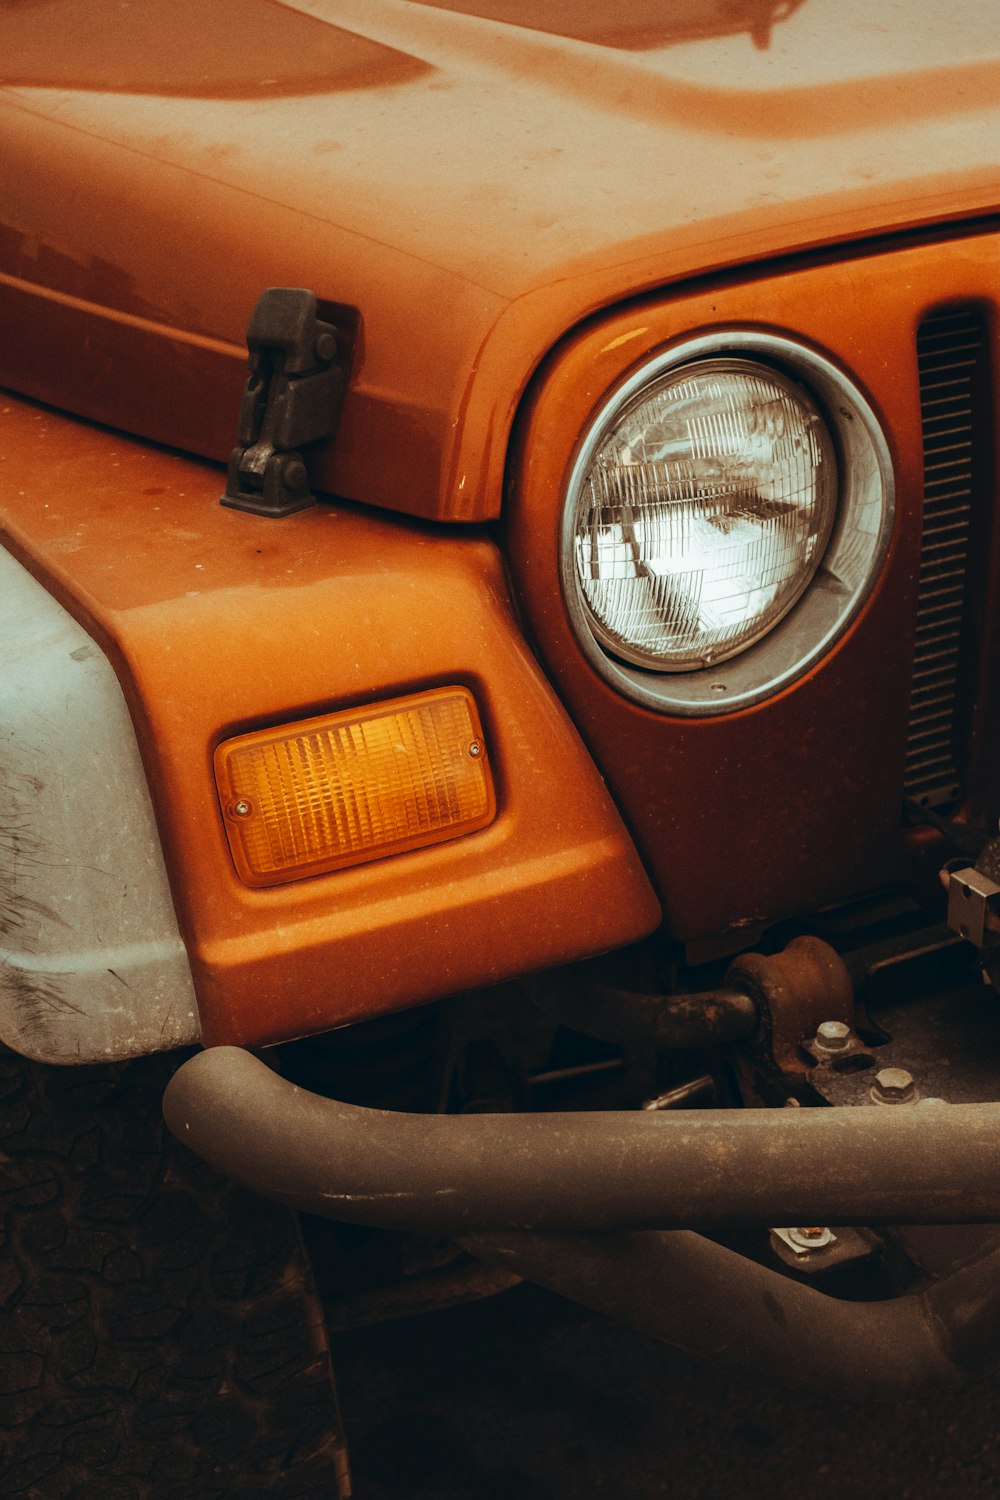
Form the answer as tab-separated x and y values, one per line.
833	1036
894	1086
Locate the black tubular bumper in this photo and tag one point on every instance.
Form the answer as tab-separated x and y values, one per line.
930	1163
696	1295
641	1179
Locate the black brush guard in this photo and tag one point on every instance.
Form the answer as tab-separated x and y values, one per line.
579	1203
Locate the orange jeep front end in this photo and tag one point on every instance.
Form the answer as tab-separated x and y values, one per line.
555	789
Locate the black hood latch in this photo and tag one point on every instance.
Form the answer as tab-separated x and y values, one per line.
292	399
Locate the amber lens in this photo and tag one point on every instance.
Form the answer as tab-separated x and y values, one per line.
353	786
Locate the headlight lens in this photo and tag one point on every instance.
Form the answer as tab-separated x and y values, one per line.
703	513
726	516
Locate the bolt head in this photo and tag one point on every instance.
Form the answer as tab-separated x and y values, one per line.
326	347
295	474
812	1237
894	1086
833	1035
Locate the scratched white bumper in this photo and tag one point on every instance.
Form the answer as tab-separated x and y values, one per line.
92	964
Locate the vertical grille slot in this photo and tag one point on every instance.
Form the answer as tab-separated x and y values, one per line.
951	360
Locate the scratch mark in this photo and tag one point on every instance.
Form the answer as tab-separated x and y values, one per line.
384	1197
37	1000
16	908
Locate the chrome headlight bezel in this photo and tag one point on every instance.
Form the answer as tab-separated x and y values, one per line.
854	554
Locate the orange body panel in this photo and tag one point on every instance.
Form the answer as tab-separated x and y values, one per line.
512	200
219	623
748	816
474	188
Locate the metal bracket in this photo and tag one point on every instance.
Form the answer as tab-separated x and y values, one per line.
974	907
292	399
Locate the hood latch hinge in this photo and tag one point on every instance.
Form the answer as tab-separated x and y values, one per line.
292	399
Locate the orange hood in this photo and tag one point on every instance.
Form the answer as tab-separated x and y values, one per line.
474	176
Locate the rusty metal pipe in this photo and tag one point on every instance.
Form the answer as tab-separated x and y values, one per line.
716	1018
923	1163
780	996
698	1296
708	1018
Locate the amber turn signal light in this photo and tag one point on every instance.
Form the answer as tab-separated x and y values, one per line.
353	786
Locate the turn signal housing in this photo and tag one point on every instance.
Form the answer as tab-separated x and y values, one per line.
322	794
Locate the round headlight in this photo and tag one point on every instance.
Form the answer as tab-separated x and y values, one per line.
706	499
703	514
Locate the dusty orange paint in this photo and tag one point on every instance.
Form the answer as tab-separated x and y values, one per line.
218	623
643	24
796	801
476	189
227	50
496	201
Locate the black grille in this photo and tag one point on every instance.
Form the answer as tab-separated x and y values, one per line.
951	355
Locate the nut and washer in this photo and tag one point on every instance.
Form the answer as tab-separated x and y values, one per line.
894	1086
805	1239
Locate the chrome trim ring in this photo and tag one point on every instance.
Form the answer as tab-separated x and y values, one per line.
861	533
